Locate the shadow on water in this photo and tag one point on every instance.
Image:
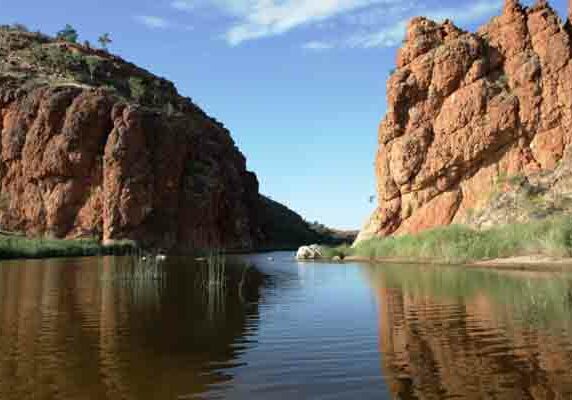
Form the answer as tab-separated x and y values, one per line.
113	328
474	334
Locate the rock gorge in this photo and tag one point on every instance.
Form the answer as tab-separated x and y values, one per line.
92	145
466	110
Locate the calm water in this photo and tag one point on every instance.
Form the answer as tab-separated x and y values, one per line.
99	329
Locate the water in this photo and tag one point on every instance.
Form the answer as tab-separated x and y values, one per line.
99	328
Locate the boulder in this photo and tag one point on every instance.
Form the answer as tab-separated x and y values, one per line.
312	252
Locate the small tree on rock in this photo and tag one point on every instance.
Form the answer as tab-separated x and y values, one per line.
69	34
105	40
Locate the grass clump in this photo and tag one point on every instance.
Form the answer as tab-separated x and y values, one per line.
342	251
12	247
458	244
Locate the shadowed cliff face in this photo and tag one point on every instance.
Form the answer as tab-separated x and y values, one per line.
92	145
474	336
467	108
79	162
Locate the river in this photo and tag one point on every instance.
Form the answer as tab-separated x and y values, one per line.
108	328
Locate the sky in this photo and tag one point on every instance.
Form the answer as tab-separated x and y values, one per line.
299	83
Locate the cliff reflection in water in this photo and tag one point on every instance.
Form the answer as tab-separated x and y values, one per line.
474	334
89	329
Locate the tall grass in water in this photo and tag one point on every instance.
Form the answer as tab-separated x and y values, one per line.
134	268
214	285
458	244
216	271
219	281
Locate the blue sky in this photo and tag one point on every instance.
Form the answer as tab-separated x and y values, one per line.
300	83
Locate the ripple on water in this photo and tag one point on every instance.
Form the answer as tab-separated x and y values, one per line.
314	331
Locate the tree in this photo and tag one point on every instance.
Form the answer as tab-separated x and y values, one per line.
69	34
104	40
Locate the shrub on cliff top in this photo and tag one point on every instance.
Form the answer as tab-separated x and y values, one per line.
68	34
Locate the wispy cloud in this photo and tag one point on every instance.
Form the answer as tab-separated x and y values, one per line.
392	35
183	5
264	18
317	46
358	23
153	22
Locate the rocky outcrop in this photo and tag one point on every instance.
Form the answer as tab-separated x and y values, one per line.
94	146
78	162
526	198
465	109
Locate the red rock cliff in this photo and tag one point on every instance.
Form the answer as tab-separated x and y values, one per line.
467	108
132	160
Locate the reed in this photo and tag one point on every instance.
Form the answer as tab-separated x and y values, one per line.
134	268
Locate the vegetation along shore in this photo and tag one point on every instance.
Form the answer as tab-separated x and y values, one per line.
542	242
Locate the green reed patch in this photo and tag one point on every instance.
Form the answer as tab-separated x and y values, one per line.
458	244
22	247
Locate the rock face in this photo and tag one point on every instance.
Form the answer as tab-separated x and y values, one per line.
94	146
465	109
525	198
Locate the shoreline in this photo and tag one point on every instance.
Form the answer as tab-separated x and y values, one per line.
536	262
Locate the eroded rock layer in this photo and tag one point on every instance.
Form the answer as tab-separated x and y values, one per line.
465	109
78	162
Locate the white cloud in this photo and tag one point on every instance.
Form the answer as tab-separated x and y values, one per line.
153	22
263	18
386	37
317	46
183	5
393	34
375	23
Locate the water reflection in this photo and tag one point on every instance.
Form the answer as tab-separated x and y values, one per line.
100	329
78	329
449	333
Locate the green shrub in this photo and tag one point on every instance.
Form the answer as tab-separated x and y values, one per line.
137	88
105	40
93	64
342	251
68	34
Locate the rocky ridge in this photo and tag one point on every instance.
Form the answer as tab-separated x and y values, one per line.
467	109
93	146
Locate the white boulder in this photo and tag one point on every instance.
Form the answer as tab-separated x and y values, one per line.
312	252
